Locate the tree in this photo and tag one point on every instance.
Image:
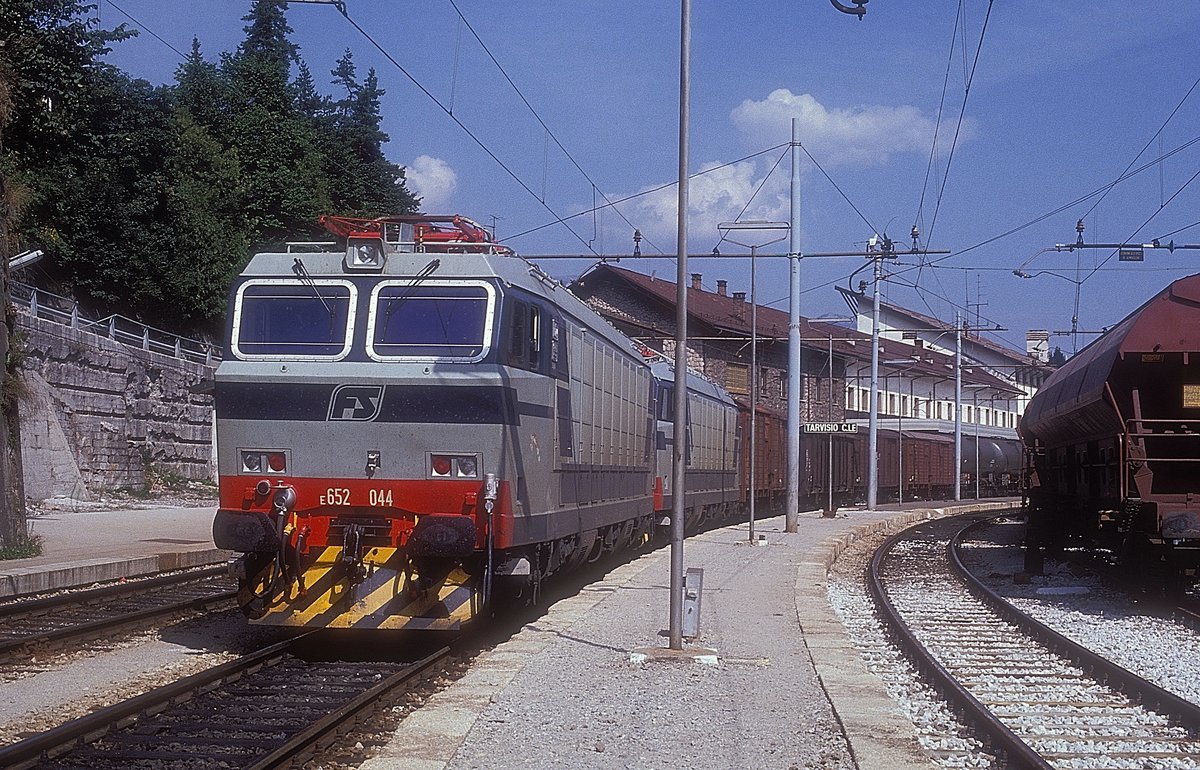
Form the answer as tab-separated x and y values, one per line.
14	534
283	188
202	91
107	221
368	184
46	48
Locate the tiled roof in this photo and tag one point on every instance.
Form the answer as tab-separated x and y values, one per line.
725	314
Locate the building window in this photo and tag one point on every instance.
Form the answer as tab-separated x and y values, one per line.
904	406
891	403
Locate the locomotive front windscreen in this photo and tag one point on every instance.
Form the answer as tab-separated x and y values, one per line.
284	319
437	321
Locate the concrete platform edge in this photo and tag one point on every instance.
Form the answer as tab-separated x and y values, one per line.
880	736
21	581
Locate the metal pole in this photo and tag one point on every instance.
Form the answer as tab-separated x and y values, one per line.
681	315
976	415
957	408
873	424
792	512
753	383
900	445
829	510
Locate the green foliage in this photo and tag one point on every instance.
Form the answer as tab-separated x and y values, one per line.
31	547
148	200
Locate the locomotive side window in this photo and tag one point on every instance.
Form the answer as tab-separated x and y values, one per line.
283	319
516	339
525	335
430	321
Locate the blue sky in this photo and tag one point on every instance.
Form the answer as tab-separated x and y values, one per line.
1063	98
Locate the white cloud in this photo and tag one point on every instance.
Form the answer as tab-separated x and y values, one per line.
432	180
864	135
713	197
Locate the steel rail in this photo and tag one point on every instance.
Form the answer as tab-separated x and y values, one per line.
62	739
330	723
103	626
55	741
37	604
1019	753
1119	678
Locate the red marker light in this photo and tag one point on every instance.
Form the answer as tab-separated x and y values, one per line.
277	462
441	465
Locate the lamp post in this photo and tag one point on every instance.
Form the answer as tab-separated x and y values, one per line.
975	388
908	365
678	476
757	226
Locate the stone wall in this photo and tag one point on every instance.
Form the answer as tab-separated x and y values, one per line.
99	416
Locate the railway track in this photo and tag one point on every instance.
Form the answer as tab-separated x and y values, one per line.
93	613
264	710
1041	700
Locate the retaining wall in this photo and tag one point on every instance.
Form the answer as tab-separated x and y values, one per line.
99	416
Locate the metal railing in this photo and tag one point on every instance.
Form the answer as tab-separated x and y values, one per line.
64	310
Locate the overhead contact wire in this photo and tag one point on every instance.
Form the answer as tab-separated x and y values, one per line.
660	187
958	128
538	118
463	126
753	195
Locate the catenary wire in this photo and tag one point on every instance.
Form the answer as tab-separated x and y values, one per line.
490	153
839	189
1149	142
958	128
753	195
542	123
937	126
149	31
660	187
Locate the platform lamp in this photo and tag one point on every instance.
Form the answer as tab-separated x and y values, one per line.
831	319
906	365
766	228
975	388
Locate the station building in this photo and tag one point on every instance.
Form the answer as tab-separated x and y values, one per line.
917	356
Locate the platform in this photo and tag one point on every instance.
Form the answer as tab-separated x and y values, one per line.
574	689
81	547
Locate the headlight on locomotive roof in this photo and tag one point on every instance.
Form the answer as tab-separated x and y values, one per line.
364	254
454	466
264	461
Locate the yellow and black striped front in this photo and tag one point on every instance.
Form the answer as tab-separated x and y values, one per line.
390	595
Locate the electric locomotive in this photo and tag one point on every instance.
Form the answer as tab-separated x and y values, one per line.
414	419
1113	439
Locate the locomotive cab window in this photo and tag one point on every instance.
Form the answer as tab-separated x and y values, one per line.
286	319
430	321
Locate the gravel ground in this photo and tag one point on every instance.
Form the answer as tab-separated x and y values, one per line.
947	740
1077	603
75	684
581	703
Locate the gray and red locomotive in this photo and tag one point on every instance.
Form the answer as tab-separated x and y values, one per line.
421	417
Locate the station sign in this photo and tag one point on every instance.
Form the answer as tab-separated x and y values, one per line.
831	427
1131	255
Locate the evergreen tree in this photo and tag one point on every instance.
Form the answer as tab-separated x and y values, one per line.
368	184
202	91
283	188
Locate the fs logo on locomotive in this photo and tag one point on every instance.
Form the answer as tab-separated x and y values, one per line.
359	403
